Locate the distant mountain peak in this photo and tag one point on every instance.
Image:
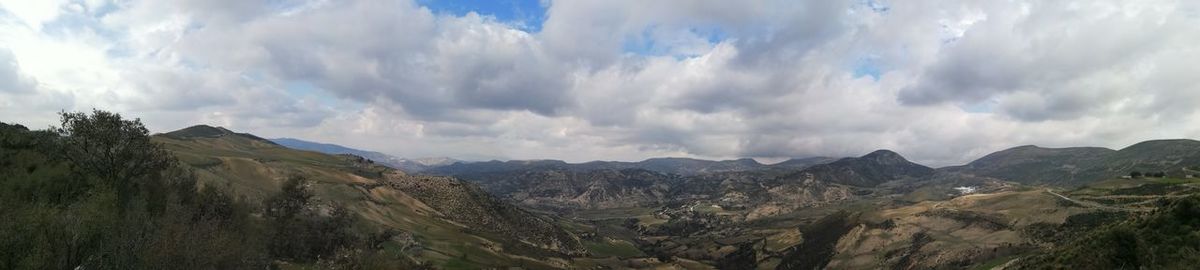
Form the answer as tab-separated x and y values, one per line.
434	161
670	159
747	161
868	170
885	156
1163	143
207	131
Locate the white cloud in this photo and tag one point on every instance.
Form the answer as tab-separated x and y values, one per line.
33	13
625	79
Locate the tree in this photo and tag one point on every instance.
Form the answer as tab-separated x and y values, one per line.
116	151
98	193
302	232
1135	174
291	201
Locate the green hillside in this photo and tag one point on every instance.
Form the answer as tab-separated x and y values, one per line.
1078	166
96	193
1168	238
207	197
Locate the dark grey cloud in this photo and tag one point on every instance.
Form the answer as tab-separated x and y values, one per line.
11	79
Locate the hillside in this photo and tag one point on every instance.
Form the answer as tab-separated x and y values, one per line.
453	222
1164	239
1078	166
866	171
406	165
1032	164
1170	156
681	166
877	210
676	166
99	193
564	189
801	163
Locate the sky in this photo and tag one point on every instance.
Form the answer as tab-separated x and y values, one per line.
941	82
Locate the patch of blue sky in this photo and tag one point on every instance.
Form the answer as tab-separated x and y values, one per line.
254	76
647	43
87	22
526	15
868	65
7	17
986	106
305	89
72	23
300	88
642	44
101	10
877	6
863	7
713	34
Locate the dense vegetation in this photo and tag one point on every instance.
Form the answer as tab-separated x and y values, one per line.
1169	238
96	193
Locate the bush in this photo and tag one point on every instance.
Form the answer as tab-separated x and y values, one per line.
96	193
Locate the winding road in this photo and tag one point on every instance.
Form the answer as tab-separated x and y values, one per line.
1094	204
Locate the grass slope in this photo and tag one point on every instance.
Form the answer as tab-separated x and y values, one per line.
253	169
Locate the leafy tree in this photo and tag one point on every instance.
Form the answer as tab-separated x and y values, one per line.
302	232
116	151
29	173
97	193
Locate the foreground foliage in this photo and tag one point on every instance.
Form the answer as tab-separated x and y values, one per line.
1169	238
96	193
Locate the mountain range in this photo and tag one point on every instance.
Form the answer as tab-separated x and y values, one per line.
1081	165
874	210
432	210
407	165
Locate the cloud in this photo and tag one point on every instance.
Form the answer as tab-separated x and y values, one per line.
1053	60
20	96
625	80
11	79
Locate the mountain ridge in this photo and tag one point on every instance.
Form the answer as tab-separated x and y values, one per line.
869	170
1074	166
403	164
429	207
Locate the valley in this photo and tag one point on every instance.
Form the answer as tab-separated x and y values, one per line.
879	210
599	135
873	211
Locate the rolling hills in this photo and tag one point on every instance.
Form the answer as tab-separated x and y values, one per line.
1022	208
1081	165
876	210
450	222
869	170
676	166
403	164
